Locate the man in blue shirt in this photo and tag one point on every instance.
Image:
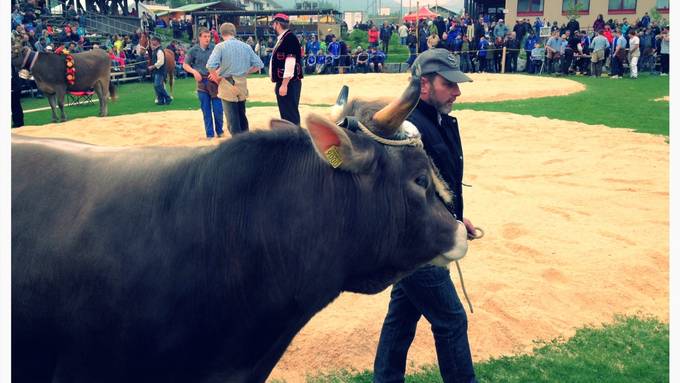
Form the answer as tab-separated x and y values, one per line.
313	45
229	64
529	43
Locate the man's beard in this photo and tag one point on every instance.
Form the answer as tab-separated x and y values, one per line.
441	107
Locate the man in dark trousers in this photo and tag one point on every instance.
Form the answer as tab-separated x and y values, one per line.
17	110
285	69
159	72
429	291
385	36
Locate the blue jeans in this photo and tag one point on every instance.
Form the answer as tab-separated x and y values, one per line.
412	56
158	86
235	112
429	291
211	107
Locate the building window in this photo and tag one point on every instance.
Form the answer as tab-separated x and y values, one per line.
662	6
529	7
622	6
583	6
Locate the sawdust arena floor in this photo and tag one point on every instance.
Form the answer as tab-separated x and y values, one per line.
576	220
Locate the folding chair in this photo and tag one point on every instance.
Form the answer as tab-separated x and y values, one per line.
80	98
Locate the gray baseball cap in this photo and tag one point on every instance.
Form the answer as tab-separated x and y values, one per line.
442	62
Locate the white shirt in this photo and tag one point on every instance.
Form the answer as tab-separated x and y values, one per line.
160	58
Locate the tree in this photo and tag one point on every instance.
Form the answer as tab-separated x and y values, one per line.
574	9
656	16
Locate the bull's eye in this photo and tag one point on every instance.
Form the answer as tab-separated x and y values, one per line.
423	181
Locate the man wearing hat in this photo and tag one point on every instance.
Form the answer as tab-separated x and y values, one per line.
429	291
285	69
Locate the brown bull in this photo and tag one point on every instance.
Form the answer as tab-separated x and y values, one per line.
93	71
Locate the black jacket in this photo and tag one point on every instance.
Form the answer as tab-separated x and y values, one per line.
289	47
443	145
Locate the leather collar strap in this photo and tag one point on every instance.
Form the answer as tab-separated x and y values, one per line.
32	57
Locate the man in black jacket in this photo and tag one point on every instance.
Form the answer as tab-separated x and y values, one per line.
286	70
429	291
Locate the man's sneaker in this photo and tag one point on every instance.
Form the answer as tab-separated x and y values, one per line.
663	74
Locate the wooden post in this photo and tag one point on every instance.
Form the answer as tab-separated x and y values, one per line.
503	61
417	29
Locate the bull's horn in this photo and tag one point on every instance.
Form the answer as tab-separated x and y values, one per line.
390	118
336	110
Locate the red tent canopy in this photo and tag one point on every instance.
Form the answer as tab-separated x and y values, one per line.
423	13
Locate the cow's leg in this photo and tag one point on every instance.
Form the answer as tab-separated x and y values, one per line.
102	94
52	99
61	94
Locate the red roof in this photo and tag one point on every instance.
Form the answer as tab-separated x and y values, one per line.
423	13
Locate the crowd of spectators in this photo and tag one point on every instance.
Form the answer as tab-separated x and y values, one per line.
479	44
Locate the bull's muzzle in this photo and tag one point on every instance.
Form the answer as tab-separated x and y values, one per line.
459	249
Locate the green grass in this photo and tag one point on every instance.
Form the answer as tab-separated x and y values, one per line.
623	103
132	98
629	350
397	53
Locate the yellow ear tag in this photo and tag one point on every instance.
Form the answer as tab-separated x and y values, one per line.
334	157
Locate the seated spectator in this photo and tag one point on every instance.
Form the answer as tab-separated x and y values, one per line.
310	63
376	60
361	61
320	62
537	56
179	70
73	48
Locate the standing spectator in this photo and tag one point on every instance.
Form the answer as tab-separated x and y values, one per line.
195	63
625	27
412	43
664	50
572	47
478	31
159	72
537	26
403	34
465	63
385	36
229	64
618	55
17	110
553	51
645	20
646	49
423	39
500	30
573	25
598	46
285	69
373	36
481	53
634	53
512	46
498	45
599	23
529	45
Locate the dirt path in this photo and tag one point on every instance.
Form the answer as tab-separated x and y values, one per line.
576	221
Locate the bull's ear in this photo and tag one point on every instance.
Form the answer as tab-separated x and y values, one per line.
278	124
335	147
